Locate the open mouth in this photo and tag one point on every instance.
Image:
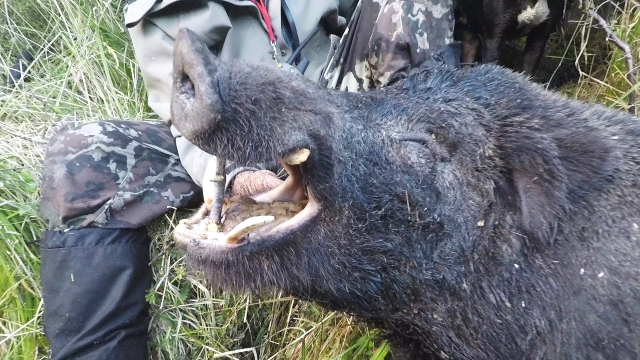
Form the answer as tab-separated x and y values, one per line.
246	219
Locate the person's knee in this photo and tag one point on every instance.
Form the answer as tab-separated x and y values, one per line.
68	169
116	174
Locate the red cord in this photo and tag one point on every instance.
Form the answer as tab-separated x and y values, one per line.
265	17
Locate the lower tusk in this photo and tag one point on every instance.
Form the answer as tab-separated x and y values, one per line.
246	227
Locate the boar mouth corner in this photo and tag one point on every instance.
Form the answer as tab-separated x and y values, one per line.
256	219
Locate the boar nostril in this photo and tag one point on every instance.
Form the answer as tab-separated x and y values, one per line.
187	88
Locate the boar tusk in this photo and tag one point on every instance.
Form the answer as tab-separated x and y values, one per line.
297	156
247	226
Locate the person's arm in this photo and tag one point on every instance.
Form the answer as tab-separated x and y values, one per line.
402	40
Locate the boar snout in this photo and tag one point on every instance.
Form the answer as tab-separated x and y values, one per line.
195	102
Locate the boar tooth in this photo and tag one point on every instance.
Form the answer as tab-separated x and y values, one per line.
247	226
296	157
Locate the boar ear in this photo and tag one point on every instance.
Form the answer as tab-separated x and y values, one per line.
539	181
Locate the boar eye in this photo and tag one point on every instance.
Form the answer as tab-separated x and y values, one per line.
424	139
427	140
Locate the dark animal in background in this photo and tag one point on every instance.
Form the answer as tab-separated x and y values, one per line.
482	26
17	70
468	214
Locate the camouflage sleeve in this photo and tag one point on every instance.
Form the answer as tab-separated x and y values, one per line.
407	33
113	174
385	39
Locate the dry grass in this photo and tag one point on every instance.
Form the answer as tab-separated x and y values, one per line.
84	67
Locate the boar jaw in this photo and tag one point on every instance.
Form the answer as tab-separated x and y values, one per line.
269	215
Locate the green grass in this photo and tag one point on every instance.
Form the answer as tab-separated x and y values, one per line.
85	69
20	304
612	86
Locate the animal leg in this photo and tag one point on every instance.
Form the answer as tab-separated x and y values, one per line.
490	50
470	47
533	51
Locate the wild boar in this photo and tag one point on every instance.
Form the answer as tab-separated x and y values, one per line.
468	214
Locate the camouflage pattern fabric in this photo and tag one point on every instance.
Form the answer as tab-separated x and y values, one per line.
385	39
113	174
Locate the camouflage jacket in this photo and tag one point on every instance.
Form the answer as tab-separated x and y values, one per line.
385	39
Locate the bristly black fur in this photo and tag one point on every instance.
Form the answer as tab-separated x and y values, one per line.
468	214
